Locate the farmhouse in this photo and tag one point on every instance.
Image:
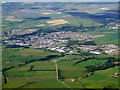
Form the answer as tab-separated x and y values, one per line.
116	75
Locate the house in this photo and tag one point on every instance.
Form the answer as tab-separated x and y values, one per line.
116	75
60	50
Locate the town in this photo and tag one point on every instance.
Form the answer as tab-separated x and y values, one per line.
57	41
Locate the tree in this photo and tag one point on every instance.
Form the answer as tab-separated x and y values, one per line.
81	26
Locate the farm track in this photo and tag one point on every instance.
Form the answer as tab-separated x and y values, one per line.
57	77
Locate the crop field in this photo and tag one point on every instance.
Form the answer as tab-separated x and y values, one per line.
57	22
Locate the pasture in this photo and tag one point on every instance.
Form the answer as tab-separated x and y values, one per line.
46	84
17	56
69	58
25	76
91	62
68	70
102	78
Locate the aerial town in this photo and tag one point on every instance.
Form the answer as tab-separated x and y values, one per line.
71	45
58	41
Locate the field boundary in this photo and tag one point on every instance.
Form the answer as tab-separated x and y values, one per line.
57	77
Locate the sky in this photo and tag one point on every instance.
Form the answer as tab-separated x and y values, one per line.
63	0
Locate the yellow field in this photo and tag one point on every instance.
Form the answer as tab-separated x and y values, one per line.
32	30
41	25
92	12
57	22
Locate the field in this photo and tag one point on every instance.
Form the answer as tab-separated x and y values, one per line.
47	84
91	63
57	22
30	75
13	19
73	58
26	78
101	79
42	72
15	56
110	37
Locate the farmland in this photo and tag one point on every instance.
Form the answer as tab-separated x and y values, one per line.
57	22
60	45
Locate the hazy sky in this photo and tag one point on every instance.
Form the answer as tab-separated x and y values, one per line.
63	0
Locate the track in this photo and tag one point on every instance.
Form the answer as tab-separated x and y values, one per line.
57	77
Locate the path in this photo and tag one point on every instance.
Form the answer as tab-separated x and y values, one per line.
58	78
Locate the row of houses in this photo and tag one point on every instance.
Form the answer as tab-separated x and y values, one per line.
110	49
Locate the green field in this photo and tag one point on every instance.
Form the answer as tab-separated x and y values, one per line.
46	84
21	55
91	63
73	58
102	78
67	70
43	65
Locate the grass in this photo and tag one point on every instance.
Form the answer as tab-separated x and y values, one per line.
14	85
76	21
21	55
32	74
91	63
69	58
29	52
111	36
19	69
74	84
46	84
43	65
67	70
38	65
28	79
72	73
36	52
102	78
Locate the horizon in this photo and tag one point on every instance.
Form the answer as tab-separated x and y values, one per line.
59	1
